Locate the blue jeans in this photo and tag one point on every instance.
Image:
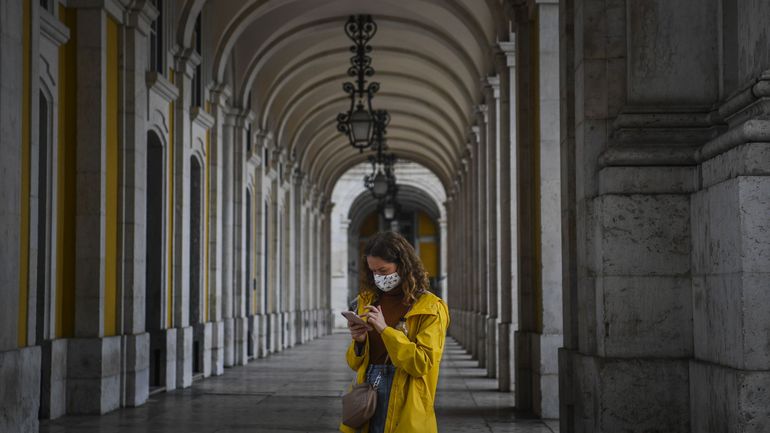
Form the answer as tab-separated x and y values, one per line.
387	371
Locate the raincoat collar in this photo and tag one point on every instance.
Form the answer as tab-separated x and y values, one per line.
425	304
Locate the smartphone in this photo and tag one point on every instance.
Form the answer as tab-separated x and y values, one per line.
353	318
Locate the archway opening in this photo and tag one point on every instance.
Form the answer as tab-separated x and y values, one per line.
196	191
358	215
154	322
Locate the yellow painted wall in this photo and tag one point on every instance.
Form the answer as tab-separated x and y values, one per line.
66	199
429	257
426	228
111	250
371	225
25	173
425	225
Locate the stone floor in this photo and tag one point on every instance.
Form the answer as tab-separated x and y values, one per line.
299	390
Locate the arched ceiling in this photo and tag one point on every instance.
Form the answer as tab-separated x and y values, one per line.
291	57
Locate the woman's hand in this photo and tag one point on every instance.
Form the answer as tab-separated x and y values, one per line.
376	318
358	332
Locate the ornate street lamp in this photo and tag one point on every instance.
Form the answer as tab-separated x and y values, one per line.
381	179
389	205
359	122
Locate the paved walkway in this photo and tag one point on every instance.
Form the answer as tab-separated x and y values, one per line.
298	390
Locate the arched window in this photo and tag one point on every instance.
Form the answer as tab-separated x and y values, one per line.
196	244
156	51
197	84
43	327
155	320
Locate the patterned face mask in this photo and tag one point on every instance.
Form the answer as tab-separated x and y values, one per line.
387	283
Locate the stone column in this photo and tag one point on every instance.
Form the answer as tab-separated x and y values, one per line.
325	265
219	109
539	171
132	225
444	259
228	143
93	362
184	67
262	181
480	233
240	280
20	399
545	345
298	255
492	98
274	259
468	264
661	209
508	238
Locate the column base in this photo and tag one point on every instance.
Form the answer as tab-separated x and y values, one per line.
537	373
261	349
291	328
202	343
598	399
299	327
53	398
20	397
505	378
93	375
481	339
229	342
270	333
314	324
184	356
217	348
136	371
162	360
252	337
283	318
277	328
241	336
725	399
492	345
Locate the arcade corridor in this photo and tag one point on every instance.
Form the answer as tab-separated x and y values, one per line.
298	391
187	188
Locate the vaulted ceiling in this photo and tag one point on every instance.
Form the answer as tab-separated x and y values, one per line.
291	56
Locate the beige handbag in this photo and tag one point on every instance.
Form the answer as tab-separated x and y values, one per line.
359	404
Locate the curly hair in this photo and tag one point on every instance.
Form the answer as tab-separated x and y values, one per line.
393	248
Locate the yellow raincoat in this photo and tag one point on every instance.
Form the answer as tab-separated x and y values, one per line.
417	357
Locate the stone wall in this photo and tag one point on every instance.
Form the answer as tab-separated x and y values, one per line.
671	217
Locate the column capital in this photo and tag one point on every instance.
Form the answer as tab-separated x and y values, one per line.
508	50
220	94
298	177
140	16
186	62
476	131
492	83
481	111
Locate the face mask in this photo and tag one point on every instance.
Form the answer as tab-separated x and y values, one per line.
387	283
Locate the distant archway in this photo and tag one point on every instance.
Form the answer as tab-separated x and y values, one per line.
356	217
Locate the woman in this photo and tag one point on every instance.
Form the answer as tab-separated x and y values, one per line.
404	339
